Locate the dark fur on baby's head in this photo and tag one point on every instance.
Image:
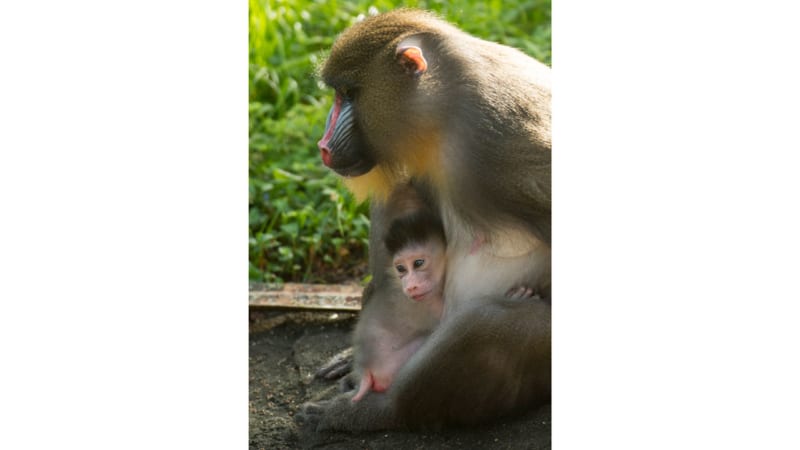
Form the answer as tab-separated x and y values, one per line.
416	228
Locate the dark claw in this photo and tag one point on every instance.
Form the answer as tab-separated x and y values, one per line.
338	366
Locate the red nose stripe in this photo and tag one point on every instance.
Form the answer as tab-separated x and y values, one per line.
325	153
323	143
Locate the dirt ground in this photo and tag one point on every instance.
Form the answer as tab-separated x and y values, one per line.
287	347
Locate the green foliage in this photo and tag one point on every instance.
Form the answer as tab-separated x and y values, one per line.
304	226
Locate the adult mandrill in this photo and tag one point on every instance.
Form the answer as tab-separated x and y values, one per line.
468	120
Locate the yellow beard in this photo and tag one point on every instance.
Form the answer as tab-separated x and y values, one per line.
376	184
379	182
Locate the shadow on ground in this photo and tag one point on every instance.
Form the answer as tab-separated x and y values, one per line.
285	350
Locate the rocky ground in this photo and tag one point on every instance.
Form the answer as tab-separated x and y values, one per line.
287	347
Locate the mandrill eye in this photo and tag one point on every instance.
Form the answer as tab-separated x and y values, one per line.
418	263
400	269
346	93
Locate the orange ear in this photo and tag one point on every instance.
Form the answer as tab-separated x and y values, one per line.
412	60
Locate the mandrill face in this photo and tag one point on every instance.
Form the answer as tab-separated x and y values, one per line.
421	271
341	147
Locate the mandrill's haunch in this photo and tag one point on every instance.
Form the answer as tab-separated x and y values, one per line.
468	122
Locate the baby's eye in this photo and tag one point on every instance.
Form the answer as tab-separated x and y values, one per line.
418	263
400	269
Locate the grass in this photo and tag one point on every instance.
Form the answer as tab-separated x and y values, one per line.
304	226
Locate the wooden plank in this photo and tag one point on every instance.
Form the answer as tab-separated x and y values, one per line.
307	296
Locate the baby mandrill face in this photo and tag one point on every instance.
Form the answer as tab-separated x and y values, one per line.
421	270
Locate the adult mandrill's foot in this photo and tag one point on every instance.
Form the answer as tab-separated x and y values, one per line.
310	414
341	413
327	415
